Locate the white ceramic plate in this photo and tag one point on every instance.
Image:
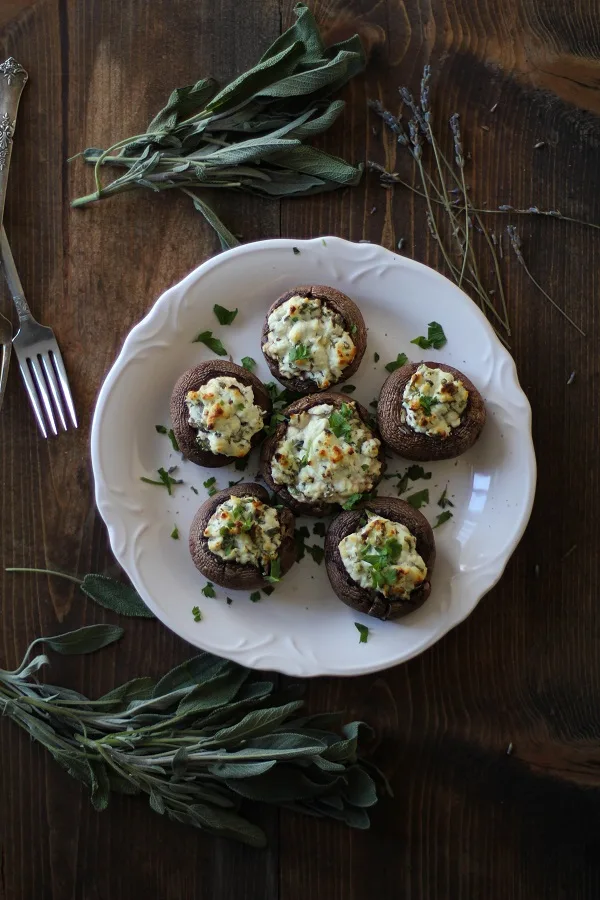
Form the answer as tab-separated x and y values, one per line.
303	629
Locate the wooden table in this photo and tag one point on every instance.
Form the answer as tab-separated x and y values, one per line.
468	821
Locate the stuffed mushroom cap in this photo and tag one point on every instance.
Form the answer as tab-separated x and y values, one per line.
353	325
308	506
411	444
368	600
193	380
235	575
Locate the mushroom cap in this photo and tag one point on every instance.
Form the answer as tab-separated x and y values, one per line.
192	380
301	507
368	600
411	444
339	303
232	574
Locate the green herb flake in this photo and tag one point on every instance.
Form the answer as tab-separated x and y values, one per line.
173	439
296	251
374	404
210	486
232	483
213	343
324	242
436	336
225	316
427	403
376	357
175	533
165	479
348	388
353	329
421	342
443	502
317	553
161	429
194	489
339	421
363	631
300	536
275	572
320	529
400	361
416	472
241	464
299	352
208	589
196	614
443	517
255	596
352	500
248	363
268	590
421	498
229	601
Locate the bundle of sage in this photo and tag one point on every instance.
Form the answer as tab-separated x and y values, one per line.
249	136
196	742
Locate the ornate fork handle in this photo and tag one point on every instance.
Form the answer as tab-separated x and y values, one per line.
12	80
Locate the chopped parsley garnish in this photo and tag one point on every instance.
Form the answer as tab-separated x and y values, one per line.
213	343
300	351
324	242
274	572
255	596
208	589
210	486
381	560
353	329
443	501
165	479
231	483
272	390
241	464
397	363
161	429
225	316
348	388
435	337
300	535
352	500
374	404
229	601
268	590
195	490
363	631
402	482
419	499
416	472
443	517
376	357
338	421
427	403
276	420
319	529
317	553
175	533
196	614
248	363
296	251
173	439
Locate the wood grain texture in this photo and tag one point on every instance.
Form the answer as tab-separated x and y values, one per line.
467	821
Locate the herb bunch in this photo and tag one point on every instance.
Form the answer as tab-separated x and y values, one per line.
195	743
453	218
248	136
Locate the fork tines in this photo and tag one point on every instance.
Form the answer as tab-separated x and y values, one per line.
46	382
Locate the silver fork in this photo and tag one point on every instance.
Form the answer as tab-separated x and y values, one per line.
40	359
5	346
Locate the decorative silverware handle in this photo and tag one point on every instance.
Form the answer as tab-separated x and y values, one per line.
12	81
12	278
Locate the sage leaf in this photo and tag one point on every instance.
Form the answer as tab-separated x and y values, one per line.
241	769
136	689
115	595
258	722
156	802
83	640
101	786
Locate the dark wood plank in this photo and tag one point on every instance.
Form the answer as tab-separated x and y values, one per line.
467	820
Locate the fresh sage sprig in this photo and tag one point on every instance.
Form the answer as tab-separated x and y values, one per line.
249	136
196	743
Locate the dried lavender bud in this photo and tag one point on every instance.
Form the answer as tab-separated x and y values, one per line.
458	149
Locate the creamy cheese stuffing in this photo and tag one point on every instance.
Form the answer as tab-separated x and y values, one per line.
245	531
306	338
383	556
224	412
327	454
433	402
